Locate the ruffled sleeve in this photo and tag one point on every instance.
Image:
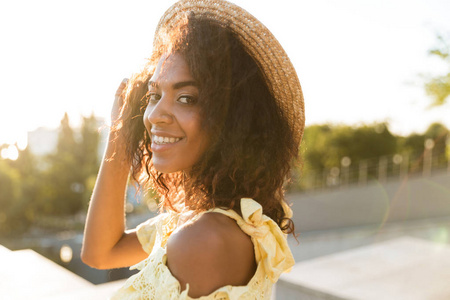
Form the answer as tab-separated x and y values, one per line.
271	247
147	231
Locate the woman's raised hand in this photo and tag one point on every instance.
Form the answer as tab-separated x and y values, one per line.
118	101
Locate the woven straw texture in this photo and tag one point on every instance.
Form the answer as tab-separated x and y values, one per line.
260	43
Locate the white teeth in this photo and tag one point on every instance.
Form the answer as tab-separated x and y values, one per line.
164	140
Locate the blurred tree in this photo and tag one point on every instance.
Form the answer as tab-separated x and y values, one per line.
314	146
10	194
438	134
30	182
60	193
412	145
89	143
68	179
66	138
325	145
87	155
31	190
438	87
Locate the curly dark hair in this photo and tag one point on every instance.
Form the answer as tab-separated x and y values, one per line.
251	150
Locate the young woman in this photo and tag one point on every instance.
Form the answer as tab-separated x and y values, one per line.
212	124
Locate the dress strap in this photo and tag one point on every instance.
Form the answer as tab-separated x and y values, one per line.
271	247
156	230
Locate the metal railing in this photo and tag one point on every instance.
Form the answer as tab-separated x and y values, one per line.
381	169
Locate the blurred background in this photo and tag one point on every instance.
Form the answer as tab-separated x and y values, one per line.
375	76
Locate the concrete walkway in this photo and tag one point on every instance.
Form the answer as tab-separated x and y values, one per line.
25	274
403	268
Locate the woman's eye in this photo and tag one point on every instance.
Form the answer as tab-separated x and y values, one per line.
186	100
152	97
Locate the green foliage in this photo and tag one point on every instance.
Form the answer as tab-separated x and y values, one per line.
18	192
87	153
58	196
414	144
59	187
87	156
438	133
326	145
438	87
411	144
30	182
68	180
66	139
10	194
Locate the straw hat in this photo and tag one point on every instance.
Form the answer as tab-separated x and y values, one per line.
259	42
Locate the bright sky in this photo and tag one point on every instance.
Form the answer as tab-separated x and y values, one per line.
357	60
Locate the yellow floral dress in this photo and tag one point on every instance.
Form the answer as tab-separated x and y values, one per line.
154	281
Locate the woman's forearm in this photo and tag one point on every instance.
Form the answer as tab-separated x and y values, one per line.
106	244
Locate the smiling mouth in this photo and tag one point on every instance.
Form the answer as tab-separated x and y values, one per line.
162	140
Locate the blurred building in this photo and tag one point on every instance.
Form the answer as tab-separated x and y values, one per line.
43	141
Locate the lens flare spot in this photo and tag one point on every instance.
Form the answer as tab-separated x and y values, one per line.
66	253
441	236
10	152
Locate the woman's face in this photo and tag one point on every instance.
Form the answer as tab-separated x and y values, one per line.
172	117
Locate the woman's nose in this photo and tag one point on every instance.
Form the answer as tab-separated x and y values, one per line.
160	112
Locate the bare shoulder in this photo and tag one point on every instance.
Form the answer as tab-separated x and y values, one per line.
211	253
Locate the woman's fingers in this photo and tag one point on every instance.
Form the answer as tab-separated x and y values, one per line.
118	100
121	87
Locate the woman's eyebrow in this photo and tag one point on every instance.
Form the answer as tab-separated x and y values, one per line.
175	86
182	84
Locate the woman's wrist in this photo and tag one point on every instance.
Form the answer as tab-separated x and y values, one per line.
116	149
